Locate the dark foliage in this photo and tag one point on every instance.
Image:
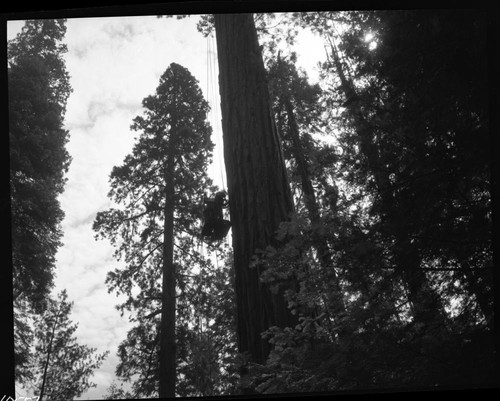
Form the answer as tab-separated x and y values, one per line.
62	368
38	87
410	230
38	90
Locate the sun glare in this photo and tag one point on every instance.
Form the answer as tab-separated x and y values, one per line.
370	39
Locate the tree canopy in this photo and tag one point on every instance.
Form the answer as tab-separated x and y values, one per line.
38	89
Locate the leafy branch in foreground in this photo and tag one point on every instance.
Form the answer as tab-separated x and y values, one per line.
61	368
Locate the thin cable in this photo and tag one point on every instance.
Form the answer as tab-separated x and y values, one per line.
208	66
212	68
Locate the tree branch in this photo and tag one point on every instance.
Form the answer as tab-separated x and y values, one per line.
153	314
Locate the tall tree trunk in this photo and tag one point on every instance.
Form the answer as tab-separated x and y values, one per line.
322	248
167	329
47	361
259	192
426	304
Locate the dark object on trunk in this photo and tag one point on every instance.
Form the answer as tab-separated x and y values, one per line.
215	227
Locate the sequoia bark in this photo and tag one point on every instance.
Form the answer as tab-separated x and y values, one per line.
258	188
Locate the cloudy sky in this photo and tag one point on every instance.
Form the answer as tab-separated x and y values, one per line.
115	62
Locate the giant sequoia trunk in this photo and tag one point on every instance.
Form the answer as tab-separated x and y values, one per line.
167	329
259	193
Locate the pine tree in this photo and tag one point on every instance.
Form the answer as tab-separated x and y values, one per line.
38	90
160	186
38	87
61	368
